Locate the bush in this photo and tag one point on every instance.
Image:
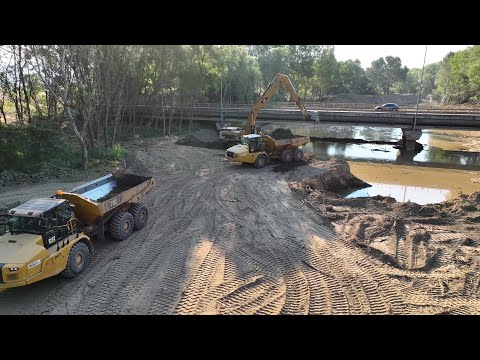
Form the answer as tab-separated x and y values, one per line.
115	153
32	149
118	152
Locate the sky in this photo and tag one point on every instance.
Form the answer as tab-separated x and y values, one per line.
411	55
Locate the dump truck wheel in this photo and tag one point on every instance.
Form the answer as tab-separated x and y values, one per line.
77	260
140	215
298	155
260	162
121	226
286	156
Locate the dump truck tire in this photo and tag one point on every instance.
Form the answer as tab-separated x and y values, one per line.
260	161
77	260
140	215
298	155
121	226
286	156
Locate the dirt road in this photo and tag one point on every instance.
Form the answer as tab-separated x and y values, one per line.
229	239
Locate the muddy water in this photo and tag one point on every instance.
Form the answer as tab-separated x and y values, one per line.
448	164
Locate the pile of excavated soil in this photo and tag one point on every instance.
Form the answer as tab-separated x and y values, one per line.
192	140
133	165
280	134
336	176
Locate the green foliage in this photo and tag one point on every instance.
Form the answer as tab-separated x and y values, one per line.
327	74
118	152
384	73
32	149
458	76
115	153
353	78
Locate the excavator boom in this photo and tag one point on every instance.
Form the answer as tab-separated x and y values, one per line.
250	125
272	89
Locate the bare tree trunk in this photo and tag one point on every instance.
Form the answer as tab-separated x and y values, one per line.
35	101
22	79
105	125
171	113
163	112
55	107
1	109
180	125
134	118
115	124
13	96
81	141
154	114
17	97
191	116
90	135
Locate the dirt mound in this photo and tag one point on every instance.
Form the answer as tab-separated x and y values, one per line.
192	140
335	177
278	166
280	134
384	237
133	165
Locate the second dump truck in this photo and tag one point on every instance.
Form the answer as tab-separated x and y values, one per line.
257	149
48	236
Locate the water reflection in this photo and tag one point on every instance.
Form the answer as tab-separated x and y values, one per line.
438	148
354	132
402	193
388	153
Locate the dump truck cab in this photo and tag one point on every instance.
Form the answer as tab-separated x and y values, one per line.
251	150
41	236
253	142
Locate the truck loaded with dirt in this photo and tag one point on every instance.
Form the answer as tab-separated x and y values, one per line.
259	149
229	239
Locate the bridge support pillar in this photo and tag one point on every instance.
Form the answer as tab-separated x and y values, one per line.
410	137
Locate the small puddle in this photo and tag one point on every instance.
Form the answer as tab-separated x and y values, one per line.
403	193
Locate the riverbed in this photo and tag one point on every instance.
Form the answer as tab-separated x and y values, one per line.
448	165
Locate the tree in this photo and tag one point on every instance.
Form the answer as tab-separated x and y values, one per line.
353	78
240	74
62	77
384	73
326	74
272	62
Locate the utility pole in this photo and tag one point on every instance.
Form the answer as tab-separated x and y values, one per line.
420	89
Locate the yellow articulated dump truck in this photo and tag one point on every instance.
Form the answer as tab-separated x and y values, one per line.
257	149
48	236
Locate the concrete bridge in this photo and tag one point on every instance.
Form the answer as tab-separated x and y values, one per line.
397	119
405	120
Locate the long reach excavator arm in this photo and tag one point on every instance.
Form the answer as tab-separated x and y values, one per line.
271	90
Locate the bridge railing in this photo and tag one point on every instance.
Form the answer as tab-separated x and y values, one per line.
312	105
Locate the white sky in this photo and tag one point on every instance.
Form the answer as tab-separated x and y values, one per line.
411	55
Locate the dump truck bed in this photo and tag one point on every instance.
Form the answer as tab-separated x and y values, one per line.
283	144
102	196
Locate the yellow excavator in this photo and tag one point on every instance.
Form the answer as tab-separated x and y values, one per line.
236	133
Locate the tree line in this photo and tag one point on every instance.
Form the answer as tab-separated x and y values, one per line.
94	90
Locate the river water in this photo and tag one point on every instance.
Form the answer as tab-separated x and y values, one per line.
449	163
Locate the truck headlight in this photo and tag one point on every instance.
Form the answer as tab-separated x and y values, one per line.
13	269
